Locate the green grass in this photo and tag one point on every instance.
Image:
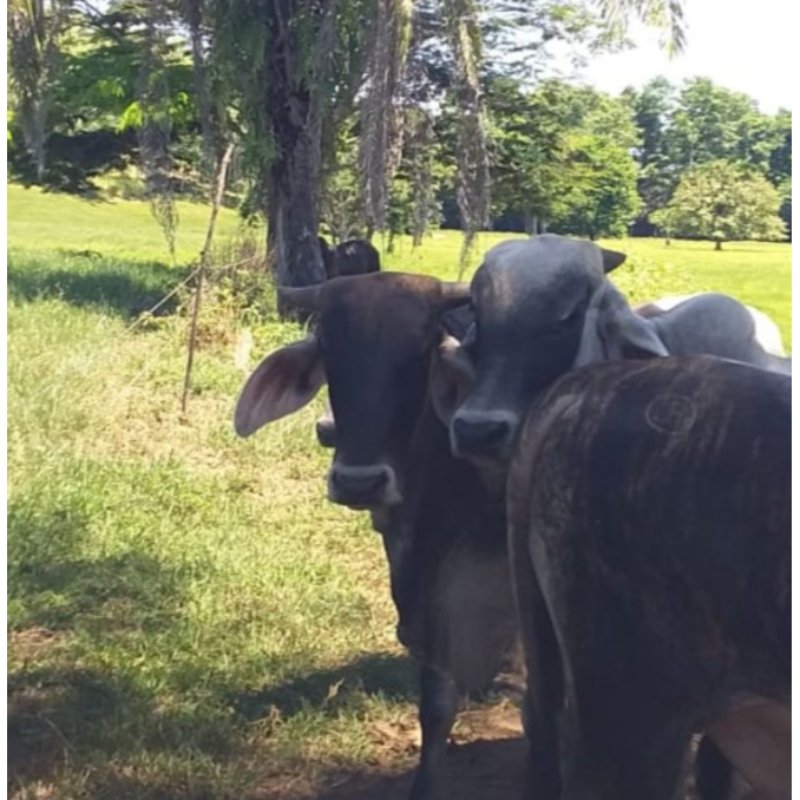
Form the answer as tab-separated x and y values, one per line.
188	616
41	221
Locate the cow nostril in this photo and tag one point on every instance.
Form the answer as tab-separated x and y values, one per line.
481	434
360	485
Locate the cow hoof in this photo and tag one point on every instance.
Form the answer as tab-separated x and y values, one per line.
425	787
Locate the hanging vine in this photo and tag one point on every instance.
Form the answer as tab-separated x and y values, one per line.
156	125
381	137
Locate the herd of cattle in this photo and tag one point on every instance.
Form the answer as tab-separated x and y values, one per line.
608	486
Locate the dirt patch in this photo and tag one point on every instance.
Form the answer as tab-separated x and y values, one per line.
485	761
32	644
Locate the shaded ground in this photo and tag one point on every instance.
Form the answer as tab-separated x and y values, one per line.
485	762
480	770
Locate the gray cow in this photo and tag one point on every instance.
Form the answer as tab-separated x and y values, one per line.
649	508
544	306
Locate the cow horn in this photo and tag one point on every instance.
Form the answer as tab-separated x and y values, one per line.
300	298
453	293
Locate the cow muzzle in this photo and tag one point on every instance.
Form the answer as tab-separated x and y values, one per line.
363	487
483	434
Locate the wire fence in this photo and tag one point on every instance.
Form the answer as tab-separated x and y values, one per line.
148	314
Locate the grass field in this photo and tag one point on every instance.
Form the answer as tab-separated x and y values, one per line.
188	616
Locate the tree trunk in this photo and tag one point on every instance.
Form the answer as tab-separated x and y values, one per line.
194	14
294	175
292	218
529	223
718	244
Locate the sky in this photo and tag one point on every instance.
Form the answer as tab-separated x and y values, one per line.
744	45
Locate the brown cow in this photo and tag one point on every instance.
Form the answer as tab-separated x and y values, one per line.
442	520
650	521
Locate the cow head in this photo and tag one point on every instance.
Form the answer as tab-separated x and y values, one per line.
541	305
372	342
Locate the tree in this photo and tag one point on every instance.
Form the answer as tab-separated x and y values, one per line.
304	63
652	109
528	149
780	165
597	190
721	201
35	28
711	123
696	124
599	181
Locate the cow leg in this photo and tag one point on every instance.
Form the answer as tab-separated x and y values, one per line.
713	772
630	745
438	705
757	737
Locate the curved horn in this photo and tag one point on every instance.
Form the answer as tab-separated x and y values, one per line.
453	293
300	298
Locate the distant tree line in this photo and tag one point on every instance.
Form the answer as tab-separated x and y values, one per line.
374	114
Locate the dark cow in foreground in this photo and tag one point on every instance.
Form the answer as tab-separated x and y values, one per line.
442	520
353	257
649	513
544	306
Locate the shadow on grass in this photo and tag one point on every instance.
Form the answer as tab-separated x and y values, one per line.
50	585
478	770
96	685
88	279
391	676
69	716
85	685
75	718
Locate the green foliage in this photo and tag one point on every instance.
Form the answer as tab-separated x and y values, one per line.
713	123
721	201
341	205
529	147
600	196
35	32
698	123
562	156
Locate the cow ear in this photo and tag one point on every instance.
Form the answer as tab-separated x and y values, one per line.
450	379
611	259
612	330
632	336
281	384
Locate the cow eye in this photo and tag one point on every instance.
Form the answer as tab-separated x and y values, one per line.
560	326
